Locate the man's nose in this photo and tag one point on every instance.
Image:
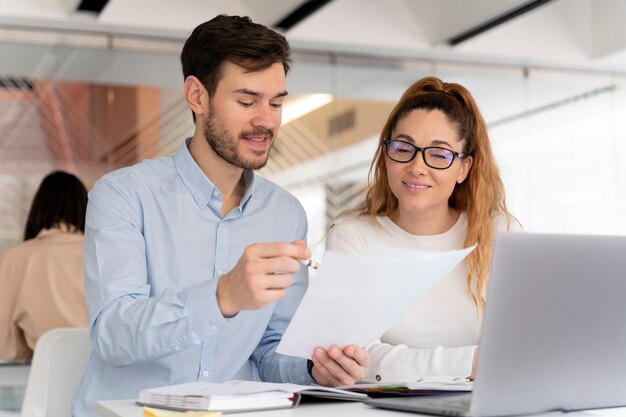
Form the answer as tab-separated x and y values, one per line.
265	117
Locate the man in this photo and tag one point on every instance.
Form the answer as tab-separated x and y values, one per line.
192	261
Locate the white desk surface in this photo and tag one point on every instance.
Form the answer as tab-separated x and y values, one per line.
128	408
13	380
13	374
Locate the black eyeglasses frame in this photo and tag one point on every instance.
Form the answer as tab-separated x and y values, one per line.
423	151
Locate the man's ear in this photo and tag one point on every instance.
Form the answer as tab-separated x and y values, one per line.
196	96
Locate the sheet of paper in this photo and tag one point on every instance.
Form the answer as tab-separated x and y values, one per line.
461	385
356	299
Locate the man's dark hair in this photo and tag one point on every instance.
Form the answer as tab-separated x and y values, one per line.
235	39
60	199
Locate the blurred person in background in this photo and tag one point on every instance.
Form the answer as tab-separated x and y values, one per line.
41	279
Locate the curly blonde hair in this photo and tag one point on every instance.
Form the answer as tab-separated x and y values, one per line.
481	195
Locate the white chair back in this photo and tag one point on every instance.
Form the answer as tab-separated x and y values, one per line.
59	360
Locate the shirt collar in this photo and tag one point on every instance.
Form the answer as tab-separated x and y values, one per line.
250	182
200	187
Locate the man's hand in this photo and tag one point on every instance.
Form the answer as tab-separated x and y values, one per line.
336	367
261	276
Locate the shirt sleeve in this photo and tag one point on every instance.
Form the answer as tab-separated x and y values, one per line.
274	367
129	324
401	363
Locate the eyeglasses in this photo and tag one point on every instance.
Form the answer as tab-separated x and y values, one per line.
434	156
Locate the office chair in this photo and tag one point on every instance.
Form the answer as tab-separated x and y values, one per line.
59	360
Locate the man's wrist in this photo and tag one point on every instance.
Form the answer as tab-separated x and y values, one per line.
226	310
309	368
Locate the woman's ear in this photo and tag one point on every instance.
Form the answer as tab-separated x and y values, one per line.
466	165
196	96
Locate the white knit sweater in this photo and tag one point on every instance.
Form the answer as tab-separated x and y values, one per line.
437	338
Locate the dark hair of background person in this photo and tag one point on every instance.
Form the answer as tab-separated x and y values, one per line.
237	40
60	198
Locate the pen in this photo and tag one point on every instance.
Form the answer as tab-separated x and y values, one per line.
311	264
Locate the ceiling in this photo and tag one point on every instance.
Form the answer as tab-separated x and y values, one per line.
137	41
554	52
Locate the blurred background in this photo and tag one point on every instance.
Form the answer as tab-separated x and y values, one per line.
91	86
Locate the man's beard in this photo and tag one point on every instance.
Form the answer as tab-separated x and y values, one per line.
226	147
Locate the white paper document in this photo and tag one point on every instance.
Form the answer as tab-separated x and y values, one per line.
355	299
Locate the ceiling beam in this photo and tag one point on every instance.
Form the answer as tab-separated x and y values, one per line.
299	14
94	6
496	21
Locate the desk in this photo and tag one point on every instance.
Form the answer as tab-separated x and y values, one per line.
13	380
128	408
14	374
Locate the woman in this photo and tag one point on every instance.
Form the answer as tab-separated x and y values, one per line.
434	185
41	279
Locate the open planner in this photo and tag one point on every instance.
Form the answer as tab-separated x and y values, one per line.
236	396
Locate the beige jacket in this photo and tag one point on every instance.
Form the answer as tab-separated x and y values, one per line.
41	288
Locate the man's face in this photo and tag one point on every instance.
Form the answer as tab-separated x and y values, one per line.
244	114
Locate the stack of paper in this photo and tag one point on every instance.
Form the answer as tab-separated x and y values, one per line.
409	389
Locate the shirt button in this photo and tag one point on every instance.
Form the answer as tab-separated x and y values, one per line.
205	374
378	378
213	327
177	348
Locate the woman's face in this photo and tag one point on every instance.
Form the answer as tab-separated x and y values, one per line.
419	188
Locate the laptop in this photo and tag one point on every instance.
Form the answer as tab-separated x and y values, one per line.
554	331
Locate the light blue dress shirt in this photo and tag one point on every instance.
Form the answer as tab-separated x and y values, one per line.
155	248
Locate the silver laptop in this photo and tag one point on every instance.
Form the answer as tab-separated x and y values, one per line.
554	334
